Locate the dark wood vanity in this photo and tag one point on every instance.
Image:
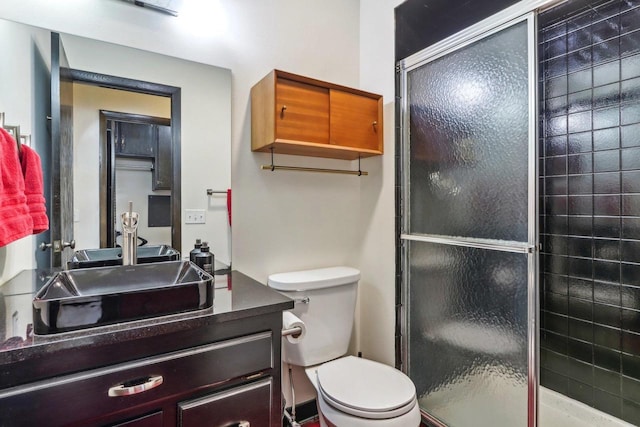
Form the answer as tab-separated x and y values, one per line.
219	367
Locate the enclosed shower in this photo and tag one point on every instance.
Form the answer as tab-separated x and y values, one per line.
519	218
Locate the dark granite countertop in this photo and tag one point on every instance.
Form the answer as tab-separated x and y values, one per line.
237	296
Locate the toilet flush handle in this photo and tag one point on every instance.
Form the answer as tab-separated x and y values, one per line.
303	300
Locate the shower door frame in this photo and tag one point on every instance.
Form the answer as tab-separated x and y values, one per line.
523	11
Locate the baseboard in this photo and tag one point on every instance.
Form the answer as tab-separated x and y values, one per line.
304	412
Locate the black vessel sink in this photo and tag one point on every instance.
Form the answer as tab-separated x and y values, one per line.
84	298
104	257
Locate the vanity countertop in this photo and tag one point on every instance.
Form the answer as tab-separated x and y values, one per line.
236	297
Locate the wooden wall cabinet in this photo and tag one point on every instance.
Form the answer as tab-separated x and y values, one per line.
297	115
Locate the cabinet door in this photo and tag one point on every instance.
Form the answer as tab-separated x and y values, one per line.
135	139
244	406
302	112
355	121
162	170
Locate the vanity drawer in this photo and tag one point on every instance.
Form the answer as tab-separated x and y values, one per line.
244	406
138	384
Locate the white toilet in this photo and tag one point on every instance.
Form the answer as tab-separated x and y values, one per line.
352	391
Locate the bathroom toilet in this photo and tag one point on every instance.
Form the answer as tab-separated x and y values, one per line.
351	391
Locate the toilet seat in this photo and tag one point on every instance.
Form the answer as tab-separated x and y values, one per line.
371	415
336	417
366	389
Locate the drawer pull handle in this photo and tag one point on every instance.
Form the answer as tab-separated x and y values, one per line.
135	387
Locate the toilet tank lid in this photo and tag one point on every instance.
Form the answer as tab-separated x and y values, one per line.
314	279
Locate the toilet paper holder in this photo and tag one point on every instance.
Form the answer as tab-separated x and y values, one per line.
293	327
295	331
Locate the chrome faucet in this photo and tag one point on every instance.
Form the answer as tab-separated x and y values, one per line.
130	237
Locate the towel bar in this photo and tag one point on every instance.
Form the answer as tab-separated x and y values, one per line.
273	167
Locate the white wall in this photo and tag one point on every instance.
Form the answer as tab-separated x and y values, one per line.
284	220
87	103
377	245
18	45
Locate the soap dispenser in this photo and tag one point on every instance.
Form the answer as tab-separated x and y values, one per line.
204	259
196	250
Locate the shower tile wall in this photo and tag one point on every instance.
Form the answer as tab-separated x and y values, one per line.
590	208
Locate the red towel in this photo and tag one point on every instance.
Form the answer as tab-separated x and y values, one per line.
229	205
15	221
34	189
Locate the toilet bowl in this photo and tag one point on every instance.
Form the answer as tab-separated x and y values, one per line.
351	391
357	392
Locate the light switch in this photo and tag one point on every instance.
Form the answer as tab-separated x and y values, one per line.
195	216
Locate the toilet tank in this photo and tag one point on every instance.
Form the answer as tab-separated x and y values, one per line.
325	300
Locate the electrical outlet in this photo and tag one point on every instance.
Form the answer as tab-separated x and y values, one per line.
194	216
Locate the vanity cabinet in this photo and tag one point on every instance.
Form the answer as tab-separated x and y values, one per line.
221	365
292	114
225	383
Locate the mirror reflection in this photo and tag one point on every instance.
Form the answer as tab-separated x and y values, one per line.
203	146
134	147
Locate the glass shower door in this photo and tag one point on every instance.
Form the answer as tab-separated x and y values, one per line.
469	233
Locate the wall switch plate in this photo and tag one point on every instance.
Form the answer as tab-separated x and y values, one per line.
195	216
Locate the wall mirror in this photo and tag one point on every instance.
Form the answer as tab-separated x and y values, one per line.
203	131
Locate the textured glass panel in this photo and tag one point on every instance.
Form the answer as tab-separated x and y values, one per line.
468	334
469	139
